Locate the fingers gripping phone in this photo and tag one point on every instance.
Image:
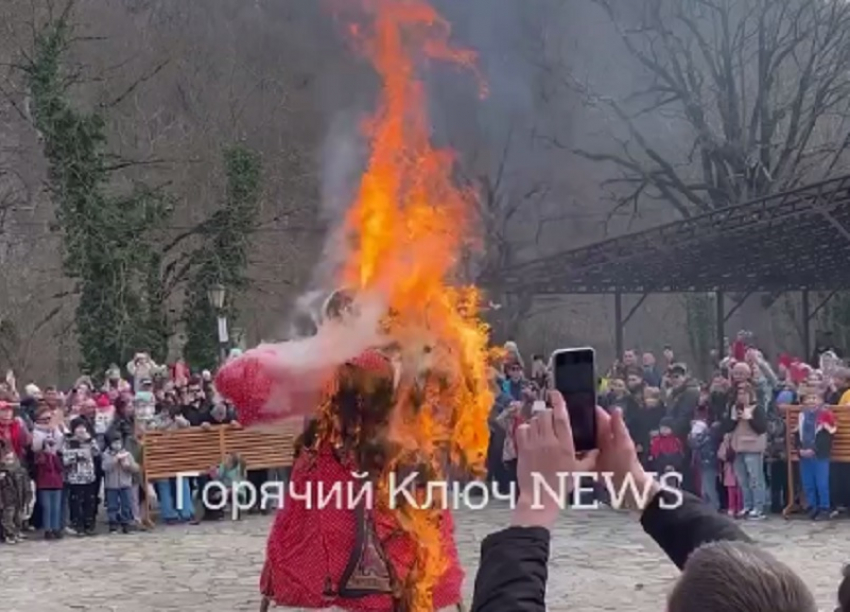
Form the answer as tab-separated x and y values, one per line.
574	373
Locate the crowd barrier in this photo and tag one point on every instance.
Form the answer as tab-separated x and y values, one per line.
840	449
165	454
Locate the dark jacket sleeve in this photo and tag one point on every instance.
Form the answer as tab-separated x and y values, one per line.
729	424
686	405
197	418
759	420
513	571
681	530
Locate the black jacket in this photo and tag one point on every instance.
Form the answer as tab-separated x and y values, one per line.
643	422
681	407
758	423
514	562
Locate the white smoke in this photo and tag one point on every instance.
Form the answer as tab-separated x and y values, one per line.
336	341
343	158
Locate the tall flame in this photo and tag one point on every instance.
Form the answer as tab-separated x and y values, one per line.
409	226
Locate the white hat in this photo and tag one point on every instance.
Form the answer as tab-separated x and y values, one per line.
32	390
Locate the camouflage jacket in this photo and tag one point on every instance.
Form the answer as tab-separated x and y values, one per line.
15	488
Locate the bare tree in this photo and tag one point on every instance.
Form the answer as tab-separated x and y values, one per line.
758	89
511	216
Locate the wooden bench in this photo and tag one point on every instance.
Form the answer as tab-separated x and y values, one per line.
259	450
840	447
165	454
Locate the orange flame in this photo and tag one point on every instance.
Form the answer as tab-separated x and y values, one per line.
409	226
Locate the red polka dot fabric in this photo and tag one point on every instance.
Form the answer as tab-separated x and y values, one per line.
374	362
263	392
247	383
309	547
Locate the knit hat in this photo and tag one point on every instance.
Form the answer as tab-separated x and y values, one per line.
666	422
103	401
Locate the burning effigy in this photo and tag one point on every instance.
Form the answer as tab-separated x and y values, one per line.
395	378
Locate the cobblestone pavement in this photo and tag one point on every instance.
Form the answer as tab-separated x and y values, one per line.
600	561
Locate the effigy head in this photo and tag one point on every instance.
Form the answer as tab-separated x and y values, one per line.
338	305
367	379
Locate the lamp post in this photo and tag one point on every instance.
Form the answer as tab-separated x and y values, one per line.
217	294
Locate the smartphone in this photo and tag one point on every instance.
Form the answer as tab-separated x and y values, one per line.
574	373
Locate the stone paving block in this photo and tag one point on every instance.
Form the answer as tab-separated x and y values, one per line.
600	561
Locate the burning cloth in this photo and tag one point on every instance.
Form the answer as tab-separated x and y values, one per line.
358	556
407	229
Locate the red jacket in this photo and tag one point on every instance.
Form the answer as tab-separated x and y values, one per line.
665	445
15	434
48	471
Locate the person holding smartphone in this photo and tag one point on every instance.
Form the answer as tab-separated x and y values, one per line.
47	443
513	568
747	424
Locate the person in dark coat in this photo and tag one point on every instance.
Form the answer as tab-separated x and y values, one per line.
683	401
514	562
681	406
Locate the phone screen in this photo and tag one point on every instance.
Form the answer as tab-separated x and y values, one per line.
575	379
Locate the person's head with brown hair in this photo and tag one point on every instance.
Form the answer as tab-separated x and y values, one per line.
651	397
745	394
810	396
634	379
617	386
738	577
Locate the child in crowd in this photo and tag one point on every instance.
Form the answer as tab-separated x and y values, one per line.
816	427
78	456
124	427
144	405
104	415
47	442
734	495
15	494
229	474
119	469
643	422
776	461
666	453
517	413
704	442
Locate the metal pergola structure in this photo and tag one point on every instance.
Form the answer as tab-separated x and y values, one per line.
792	241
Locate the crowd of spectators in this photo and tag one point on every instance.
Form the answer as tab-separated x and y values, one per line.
67	456
725	435
722	569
